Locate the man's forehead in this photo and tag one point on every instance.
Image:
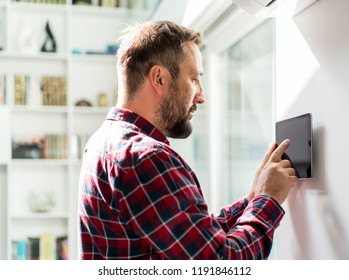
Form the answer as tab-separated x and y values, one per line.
193	56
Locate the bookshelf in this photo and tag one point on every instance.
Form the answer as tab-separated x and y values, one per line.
42	128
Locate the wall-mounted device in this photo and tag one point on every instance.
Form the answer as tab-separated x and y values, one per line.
299	131
273	8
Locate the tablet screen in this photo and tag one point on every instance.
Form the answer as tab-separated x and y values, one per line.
299	131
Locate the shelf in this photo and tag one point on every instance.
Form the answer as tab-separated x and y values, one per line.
39	7
89	110
40	162
59	109
93	57
122	13
100	11
40	109
34	56
58	56
37	216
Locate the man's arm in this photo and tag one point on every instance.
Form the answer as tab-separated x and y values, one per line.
167	209
228	215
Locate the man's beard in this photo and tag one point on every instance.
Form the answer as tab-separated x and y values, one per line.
173	115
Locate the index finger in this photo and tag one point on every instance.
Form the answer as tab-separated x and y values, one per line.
279	151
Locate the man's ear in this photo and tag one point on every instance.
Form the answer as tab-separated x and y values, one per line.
158	76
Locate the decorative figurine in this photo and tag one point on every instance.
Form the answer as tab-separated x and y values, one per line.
41	202
83	102
50	42
102	100
26	39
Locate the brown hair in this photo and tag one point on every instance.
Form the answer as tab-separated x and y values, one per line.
144	45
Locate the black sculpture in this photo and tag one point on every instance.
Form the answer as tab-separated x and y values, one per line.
50	42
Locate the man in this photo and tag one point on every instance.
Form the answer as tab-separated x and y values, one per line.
138	198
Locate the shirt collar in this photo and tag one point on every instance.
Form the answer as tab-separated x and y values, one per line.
122	114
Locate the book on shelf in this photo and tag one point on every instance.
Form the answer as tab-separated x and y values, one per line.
48	146
19	250
42	1
62	252
3	97
77	145
47	248
109	3
101	3
82	2
43	247
21	89
55	146
26	90
54	91
33	248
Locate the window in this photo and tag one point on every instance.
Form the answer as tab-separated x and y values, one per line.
247	115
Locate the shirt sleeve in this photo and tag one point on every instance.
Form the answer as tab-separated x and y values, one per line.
162	204
229	214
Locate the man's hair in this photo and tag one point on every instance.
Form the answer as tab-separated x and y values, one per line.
145	45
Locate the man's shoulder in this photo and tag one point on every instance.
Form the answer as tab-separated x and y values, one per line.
127	142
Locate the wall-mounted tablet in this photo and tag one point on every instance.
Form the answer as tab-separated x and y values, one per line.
299	131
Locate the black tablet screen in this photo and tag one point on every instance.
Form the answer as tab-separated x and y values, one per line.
299	131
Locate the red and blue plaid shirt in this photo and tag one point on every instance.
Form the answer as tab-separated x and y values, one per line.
140	200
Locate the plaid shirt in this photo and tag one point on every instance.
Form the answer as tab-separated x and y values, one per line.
140	200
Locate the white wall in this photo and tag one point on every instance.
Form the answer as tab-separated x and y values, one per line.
312	66
312	75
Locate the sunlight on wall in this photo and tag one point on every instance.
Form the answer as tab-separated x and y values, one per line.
293	58
194	9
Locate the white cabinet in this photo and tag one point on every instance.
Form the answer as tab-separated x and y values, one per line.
40	145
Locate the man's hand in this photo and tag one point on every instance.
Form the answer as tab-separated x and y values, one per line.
275	176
